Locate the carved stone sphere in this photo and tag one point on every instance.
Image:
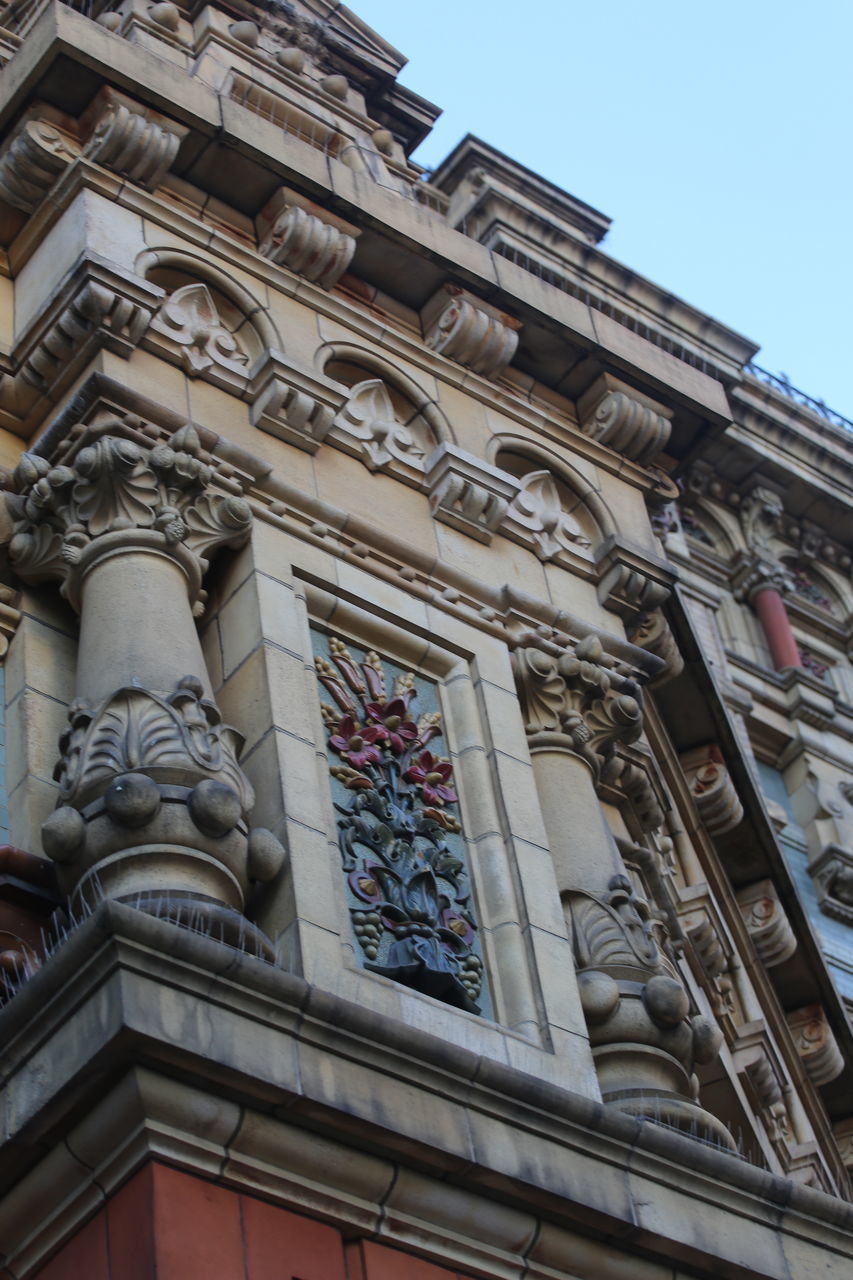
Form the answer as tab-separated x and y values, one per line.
165	15
266	855
707	1040
132	799
215	807
599	995
62	833
666	1001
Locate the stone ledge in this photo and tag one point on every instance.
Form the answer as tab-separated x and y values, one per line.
299	1059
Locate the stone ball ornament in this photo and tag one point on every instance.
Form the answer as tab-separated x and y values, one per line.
63	833
666	1001
132	799
266	855
215	807
599	995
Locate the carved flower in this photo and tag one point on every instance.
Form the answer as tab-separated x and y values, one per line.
432	776
356	744
392	724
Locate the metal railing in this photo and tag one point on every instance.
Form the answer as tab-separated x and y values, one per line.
780	382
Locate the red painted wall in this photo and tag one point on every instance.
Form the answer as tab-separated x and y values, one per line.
166	1225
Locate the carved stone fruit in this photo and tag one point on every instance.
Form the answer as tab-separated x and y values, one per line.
132	799
215	807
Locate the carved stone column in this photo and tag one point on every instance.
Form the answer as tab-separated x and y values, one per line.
153	804
645	1043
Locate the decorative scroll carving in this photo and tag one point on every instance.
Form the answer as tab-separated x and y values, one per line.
32	160
712	789
630	586
623	422
651	631
538	510
467	493
769	927
577	695
132	139
409	896
832	872
638	1011
190	318
309	246
482	340
114	486
815	1043
368	417
93	307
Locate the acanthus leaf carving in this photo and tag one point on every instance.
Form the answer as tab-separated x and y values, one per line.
538	510
190	317
113	485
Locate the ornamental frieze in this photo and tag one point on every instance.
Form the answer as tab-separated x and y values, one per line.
402	854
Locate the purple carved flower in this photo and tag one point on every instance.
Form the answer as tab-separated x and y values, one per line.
356	744
432	776
392	724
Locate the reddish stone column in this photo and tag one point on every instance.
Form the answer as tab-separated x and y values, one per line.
773	616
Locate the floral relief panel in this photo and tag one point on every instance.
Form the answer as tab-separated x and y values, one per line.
399	831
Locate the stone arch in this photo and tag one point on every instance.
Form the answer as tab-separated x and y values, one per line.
344	361
702	525
584	503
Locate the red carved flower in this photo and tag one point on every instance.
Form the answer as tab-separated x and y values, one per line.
391	723
432	776
356	744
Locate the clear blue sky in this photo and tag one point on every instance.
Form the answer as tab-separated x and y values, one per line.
716	136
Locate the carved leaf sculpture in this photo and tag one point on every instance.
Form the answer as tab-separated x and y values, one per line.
190	317
538	508
368	416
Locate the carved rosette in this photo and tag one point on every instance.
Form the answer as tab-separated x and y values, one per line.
153	805
402	853
576	696
768	926
815	1043
115	488
645	1041
712	789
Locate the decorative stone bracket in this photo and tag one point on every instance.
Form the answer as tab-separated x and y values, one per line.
815	1043
832	872
39	149
292	403
651	631
712	789
305	238
759	1066
467	493
623	419
129	138
10	618
768	925
631	582
469	331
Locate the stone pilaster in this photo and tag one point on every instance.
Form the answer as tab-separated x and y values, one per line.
153	804
577	708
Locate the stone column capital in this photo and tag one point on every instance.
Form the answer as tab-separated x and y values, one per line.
576	702
110	492
755	573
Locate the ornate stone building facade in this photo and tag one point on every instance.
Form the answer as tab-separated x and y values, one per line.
428	715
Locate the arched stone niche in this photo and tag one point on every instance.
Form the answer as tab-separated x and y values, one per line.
555	510
386	419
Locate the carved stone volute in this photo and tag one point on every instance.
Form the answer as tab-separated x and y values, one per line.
578	696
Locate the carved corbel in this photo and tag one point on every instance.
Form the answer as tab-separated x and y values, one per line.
131	139
467	493
536	516
37	152
368	425
815	1043
292	404
122	321
577	696
767	923
305	238
651	631
712	789
470	331
621	418
630	582
635	786
843	1134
